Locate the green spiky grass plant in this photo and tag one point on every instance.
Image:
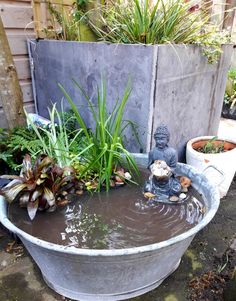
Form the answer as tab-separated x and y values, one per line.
138	21
166	21
105	146
55	142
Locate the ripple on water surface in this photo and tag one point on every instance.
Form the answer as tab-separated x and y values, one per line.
122	218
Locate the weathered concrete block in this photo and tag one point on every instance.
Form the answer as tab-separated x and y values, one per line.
171	84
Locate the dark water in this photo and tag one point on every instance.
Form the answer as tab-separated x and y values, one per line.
121	219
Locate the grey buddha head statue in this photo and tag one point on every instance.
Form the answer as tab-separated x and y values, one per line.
162	136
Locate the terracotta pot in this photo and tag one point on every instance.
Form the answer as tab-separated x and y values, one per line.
219	168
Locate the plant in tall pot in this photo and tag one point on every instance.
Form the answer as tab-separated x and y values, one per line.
216	157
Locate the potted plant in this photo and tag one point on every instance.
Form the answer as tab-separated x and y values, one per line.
95	273
217	156
229	105
161	48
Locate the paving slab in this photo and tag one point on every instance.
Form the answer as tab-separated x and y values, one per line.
227	128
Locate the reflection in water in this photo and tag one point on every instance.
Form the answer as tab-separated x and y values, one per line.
82	228
122	218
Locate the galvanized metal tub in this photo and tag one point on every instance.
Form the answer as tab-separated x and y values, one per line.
85	274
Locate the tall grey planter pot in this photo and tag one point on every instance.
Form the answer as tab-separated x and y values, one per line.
171	84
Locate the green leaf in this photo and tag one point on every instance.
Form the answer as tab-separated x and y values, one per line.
76	112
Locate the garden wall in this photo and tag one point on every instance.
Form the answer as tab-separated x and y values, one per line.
171	84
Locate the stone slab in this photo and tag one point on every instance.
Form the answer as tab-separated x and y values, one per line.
189	93
60	62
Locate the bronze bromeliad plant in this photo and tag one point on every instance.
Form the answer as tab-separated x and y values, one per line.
40	186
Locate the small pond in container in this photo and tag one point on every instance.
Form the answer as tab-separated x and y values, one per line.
120	218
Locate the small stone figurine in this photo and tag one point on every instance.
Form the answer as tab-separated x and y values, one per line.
162	184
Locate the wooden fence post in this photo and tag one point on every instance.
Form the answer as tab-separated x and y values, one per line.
230	7
10	91
37	17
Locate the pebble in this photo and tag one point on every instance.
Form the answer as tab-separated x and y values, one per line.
233	245
128	175
160	169
174	198
79	192
63	236
149	195
118	179
120	183
4	263
62	202
182	196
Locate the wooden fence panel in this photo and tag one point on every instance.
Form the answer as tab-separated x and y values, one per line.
17	17
17	41
14	16
42	16
22	67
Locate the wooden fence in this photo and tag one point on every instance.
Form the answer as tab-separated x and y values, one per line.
17	17
42	16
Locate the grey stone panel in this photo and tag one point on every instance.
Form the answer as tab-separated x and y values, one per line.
219	91
58	62
188	93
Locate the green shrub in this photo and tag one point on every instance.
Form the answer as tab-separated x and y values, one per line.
14	144
230	91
